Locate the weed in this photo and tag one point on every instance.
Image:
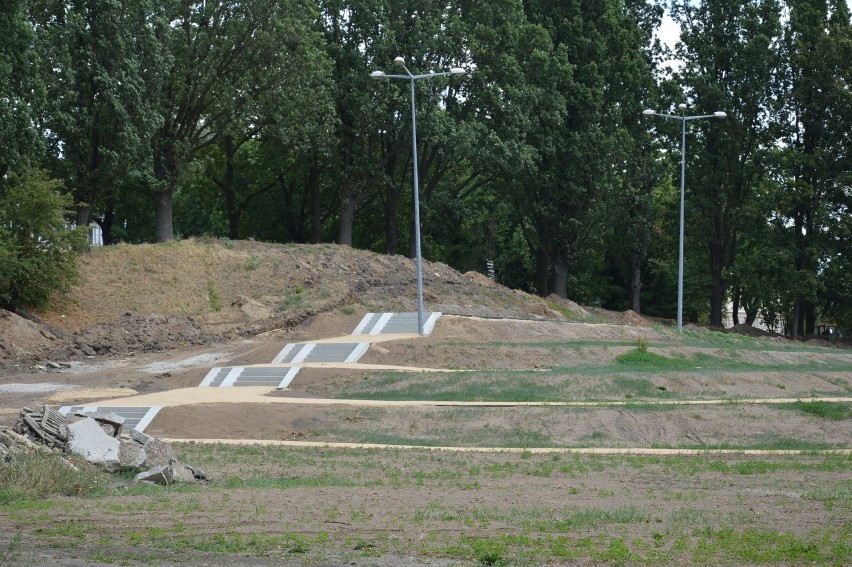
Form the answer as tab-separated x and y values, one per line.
213	297
489	551
36	475
294	299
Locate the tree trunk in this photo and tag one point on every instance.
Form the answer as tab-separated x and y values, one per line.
810	318
107	224
391	228
316	216
797	307
735	309
717	290
163	208
751	314
560	278
347	220
542	265
84	214
635	288
232	211
165	172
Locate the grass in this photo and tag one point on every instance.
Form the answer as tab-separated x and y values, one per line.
832	411
257	509
32	476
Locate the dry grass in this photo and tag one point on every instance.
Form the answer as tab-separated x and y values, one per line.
211	280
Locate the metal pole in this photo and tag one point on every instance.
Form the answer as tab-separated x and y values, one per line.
419	259
680	247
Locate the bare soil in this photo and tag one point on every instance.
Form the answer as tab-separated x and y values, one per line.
149	319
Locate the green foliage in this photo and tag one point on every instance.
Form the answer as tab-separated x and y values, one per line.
38	252
834	411
22	87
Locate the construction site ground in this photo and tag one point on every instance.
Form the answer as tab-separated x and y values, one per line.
511	433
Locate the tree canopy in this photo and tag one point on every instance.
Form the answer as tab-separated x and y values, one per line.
259	119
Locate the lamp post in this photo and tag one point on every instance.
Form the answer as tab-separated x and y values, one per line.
683	119
455	71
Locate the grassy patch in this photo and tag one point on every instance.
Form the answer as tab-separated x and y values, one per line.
213	298
833	411
32	476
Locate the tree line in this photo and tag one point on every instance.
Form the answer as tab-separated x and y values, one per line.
259	119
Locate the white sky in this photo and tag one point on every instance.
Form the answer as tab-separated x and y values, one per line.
669	31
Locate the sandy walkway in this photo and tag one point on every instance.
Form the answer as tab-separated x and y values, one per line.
575	450
260	395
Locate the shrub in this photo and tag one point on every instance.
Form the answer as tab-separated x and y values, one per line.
38	252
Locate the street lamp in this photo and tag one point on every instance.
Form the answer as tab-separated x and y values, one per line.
683	119
455	71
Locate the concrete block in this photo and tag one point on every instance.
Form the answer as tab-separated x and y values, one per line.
110	422
86	439
131	454
158	452
164	475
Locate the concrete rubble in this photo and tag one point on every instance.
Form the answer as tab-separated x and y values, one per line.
96	437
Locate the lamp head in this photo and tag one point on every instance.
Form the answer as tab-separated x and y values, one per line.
457	71
399	61
377	75
681	107
719	114
649	112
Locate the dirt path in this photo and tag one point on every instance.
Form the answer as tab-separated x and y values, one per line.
522	450
261	395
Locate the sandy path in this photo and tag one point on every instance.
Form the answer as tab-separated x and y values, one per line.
260	394
574	450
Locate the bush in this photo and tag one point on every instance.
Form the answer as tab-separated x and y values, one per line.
38	252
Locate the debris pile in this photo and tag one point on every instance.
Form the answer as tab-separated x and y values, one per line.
97	437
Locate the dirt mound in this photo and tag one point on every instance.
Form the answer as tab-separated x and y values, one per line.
574	308
144	333
630	317
24	342
138	298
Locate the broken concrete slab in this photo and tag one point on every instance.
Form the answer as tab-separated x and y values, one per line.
131	454
110	422
163	475
88	440
157	453
183	473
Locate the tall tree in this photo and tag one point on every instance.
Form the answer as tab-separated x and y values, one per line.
815	114
729	49
597	65
222	56
21	89
99	118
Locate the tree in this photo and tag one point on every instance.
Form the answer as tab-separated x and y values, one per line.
814	117
99	119
592	76
21	89
223	58
38	253
729	51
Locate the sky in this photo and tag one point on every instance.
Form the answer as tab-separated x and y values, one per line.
669	31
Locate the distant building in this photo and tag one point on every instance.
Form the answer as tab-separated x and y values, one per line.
95	234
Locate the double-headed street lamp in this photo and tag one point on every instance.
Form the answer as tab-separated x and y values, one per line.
683	118
411	77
